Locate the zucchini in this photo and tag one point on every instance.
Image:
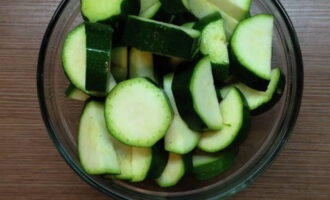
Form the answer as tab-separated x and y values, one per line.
74	93
119	60
161	38
251	51
214	45
96	150
202	8
174	171
137	113
210	165
195	96
188	25
151	11
124	154
108	11
98	44
179	138
236	119
146	4
141	163
74	56
158	160
237	9
141	64
260	101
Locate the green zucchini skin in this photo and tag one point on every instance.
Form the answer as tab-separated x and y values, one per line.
160	38
236	130
202	23
242	134
244	75
158	160
275	98
183	97
163	66
220	163
98	56
256	33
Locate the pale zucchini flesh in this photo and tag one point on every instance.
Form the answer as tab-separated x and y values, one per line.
96	150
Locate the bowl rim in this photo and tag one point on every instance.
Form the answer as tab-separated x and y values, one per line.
264	162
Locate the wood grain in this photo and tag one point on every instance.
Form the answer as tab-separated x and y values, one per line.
31	168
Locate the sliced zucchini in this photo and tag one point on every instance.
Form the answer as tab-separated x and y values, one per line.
146	4
251	51
236	119
141	162
74	57
151	11
230	24
74	93
108	10
161	38
188	25
210	165
96	151
141	64
119	67
158	160
238	9
174	171
202	8
124	154
138	113
99	44
214	45
260	101
195	96
179	138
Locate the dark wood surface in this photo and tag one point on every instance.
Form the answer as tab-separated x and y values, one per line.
31	167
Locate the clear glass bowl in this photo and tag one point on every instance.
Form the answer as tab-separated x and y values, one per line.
267	136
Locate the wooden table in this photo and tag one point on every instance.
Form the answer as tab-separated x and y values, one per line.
31	167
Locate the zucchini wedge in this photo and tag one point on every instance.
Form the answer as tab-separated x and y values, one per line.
210	165
236	122
251	51
96	150
179	138
161	38
141	163
261	101
108	11
176	167
195	96
214	44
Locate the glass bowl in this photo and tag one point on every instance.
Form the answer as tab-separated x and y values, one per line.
268	133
